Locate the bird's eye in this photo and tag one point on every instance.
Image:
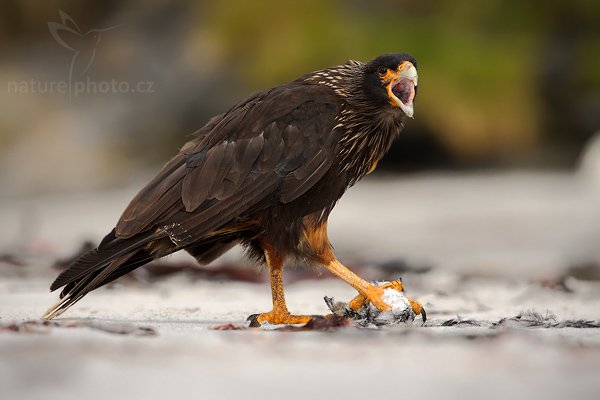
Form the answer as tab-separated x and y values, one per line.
382	70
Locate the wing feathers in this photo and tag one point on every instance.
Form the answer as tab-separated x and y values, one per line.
304	177
199	180
223	169
280	140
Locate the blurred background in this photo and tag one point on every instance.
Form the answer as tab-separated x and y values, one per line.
97	94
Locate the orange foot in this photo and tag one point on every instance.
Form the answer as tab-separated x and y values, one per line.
278	317
373	294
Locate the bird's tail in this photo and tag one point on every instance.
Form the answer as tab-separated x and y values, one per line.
113	258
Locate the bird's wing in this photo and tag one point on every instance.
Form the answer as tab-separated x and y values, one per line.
271	148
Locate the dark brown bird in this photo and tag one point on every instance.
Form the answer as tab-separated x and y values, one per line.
266	174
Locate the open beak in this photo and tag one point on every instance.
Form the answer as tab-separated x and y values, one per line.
402	87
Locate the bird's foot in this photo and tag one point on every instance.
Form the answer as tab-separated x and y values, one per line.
277	317
374	295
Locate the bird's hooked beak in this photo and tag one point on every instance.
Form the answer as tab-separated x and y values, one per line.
401	87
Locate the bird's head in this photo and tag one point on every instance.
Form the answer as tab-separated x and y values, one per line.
391	79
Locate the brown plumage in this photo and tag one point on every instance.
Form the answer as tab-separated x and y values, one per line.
265	174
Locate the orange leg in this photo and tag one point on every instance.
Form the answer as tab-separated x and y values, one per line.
367	291
315	237
279	314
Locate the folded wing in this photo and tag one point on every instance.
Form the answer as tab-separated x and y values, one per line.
272	148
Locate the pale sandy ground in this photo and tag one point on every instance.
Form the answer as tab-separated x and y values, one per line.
490	239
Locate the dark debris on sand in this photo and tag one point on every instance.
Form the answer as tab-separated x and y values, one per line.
44	327
525	319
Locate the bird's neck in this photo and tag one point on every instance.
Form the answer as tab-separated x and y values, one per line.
367	129
365	139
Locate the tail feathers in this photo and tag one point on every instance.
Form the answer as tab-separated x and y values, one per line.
113	258
109	249
80	288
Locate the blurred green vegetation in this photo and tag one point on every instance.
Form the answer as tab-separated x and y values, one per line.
481	64
501	82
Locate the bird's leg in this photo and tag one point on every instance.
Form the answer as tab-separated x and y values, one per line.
315	237
366	290
279	314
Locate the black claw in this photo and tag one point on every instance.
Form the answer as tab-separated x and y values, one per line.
253	321
423	315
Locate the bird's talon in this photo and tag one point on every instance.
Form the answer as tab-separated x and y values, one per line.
374	293
418	309
253	319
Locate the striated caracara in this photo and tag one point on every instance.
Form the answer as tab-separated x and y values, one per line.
266	174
